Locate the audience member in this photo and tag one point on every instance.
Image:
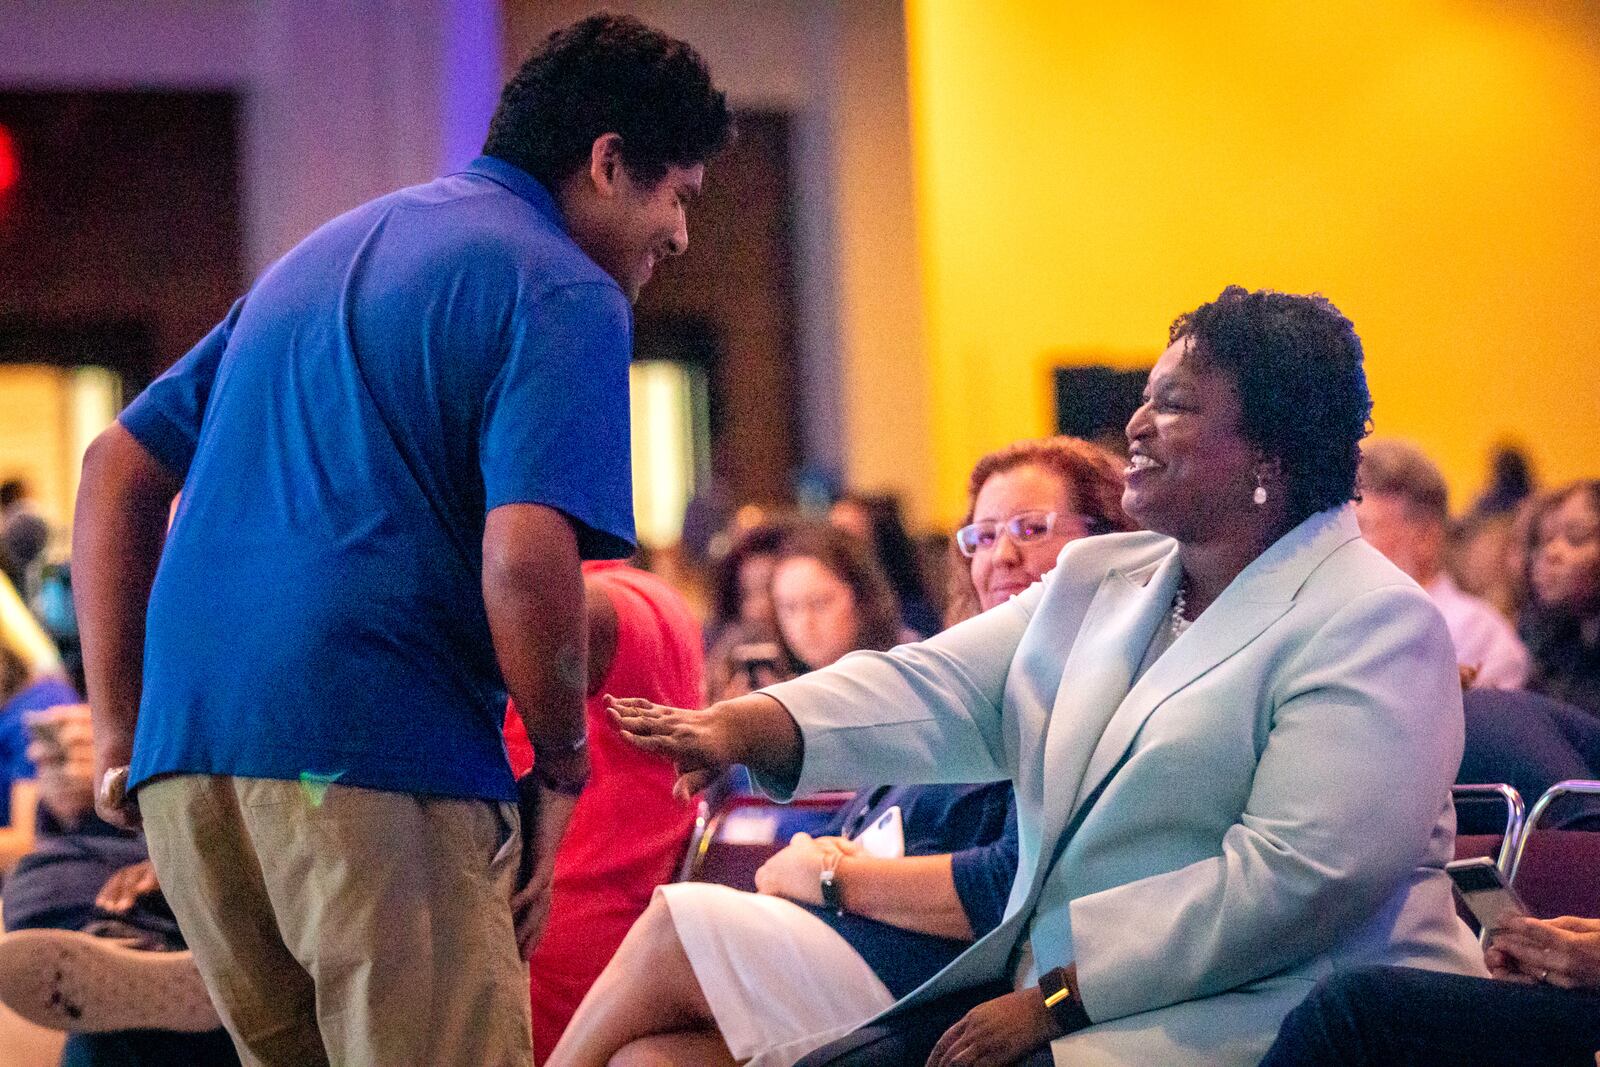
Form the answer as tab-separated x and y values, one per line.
22	691
415	427
1510	482
24	535
1561	622
771	976
628	832
1404	513
829	597
742	620
876	518
1088	487
1540	1007
91	945
1196	721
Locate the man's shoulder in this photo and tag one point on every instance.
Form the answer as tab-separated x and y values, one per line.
470	222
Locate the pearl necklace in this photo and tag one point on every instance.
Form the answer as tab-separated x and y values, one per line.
1180	607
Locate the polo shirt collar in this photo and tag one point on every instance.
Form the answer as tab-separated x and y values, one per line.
522	184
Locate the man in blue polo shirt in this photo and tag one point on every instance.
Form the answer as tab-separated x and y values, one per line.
393	453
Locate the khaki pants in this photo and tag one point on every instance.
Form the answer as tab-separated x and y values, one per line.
345	926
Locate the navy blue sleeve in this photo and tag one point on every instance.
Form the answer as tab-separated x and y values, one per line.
983	875
166	417
555	422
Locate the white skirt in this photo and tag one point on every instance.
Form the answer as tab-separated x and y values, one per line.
779	980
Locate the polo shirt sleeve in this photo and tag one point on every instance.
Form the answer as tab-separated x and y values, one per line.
555	425
166	417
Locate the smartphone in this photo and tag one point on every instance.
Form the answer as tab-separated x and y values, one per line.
885	838
1485	891
758	662
45	729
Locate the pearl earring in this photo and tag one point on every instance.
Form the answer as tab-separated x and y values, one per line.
1260	495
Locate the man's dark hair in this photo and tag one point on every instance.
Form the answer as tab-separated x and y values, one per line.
1297	364
11	491
609	74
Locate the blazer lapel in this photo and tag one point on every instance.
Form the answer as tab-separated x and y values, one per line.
1116	628
1253	601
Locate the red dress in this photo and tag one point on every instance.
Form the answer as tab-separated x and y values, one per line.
627	833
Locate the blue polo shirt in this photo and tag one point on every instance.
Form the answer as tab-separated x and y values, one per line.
318	612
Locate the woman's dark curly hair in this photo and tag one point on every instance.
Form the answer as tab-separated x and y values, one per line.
1297	364
609	74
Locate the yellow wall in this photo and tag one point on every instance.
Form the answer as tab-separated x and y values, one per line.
1085	171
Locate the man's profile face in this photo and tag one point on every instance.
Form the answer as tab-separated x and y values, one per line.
645	224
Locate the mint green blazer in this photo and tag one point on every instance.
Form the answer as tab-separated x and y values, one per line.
1276	787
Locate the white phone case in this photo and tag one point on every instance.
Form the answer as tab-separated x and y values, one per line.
885	838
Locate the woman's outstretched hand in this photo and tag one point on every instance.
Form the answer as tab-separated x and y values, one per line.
698	742
703	743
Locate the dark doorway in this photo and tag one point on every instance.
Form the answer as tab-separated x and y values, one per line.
727	305
121	238
1096	402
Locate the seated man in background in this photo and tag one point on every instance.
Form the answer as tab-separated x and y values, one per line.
628	832
1404	511
91	946
1542	1006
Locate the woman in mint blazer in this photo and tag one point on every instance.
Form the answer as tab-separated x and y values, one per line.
1232	739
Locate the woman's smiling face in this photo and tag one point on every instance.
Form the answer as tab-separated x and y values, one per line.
1190	473
1005	568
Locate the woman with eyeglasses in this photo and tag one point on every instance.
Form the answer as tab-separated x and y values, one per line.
905	878
1231	739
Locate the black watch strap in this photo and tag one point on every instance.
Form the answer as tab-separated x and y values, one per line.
832	891
1062	999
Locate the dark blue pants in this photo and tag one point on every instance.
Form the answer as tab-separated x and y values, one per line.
1530	742
904	1040
1409	1018
55	885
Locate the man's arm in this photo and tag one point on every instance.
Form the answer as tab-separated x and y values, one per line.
533	592
118	529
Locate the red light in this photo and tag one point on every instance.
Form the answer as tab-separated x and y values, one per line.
10	168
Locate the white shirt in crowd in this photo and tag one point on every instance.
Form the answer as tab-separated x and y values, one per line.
1483	638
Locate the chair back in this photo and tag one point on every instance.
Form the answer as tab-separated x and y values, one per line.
746	830
1557	872
1502	845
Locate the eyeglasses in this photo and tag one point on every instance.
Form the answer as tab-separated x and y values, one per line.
1024	528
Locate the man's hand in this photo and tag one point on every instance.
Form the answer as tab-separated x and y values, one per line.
795	872
112	801
996	1032
124	888
1563	952
545	815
